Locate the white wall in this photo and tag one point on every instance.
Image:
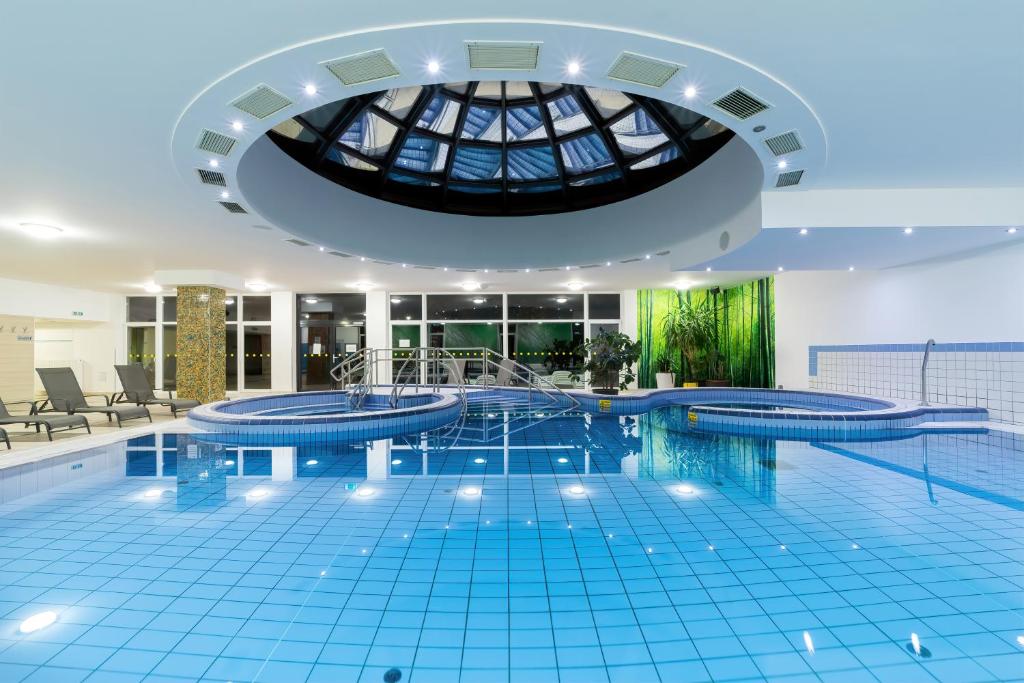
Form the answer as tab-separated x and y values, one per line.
979	298
282	341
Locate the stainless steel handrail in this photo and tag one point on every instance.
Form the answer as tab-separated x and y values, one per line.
924	369
533	379
430	357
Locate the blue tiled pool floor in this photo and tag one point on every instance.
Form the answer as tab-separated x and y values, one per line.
786	562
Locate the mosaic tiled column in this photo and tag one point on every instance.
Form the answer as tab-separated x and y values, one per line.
201	343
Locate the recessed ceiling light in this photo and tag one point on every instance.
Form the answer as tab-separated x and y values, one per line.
1012	231
311	300
607	263
40	231
568	267
309	89
214	163
850	269
573	68
363	286
403	265
362	258
561	300
396	300
690	92
683	284
38	621
526	271
908	231
708	269
446	269
321	248
647	256
224	194
575	285
479	301
486	270
152	288
470	285
237	126
780	269
433	66
782	164
257	286
803	231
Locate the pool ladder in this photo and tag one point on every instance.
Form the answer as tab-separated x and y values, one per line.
924	369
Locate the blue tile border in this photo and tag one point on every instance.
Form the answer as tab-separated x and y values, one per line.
945	347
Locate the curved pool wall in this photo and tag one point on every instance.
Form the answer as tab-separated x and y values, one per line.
415	413
834	416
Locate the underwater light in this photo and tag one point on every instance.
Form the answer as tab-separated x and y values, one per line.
1020	640
257	493
577	489
229	463
153	493
808	642
471	491
396	461
364	491
562	461
38	621
479	461
684	489
312	462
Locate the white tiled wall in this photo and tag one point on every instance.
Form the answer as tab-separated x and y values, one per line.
987	379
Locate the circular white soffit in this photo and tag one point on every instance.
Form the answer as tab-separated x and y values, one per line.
412	47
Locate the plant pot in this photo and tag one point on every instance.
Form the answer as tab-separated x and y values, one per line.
718	383
606	392
665	380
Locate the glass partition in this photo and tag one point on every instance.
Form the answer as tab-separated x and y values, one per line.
142	349
256	360
546	347
142	309
406	307
331	327
545	307
170	360
604	306
464	307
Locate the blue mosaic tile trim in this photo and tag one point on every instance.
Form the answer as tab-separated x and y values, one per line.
949	347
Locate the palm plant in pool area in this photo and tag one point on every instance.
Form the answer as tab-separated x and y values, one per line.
611	357
692	330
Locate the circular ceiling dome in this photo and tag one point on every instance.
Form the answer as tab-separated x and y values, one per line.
500	148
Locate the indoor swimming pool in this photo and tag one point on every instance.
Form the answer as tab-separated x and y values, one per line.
569	546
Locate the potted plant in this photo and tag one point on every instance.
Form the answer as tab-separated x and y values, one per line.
716	370
692	330
664	377
611	357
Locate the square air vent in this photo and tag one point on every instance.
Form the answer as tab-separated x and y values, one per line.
662	253
261	102
233	207
425	267
340	254
634	68
547	270
787	143
211	177
363	67
789	178
487	54
262	227
740	104
465	270
296	242
590	265
215	143
629	260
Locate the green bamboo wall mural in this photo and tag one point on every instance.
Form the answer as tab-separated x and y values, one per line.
744	323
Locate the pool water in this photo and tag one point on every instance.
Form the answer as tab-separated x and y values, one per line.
573	548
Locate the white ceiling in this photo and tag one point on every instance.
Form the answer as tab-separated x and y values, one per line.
906	96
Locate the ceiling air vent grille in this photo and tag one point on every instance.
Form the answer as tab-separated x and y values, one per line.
384	263
262	227
296	242
485	54
507	270
261	102
547	270
465	270
662	253
787	143
740	104
590	265
633	68
364	67
629	260
340	254
425	267
789	178
215	143
211	177
233	207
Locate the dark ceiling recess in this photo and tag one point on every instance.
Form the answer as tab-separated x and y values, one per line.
501	148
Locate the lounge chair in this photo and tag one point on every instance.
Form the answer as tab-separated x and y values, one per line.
136	389
64	395
54	423
562	379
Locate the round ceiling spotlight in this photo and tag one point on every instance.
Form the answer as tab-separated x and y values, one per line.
470	285
1012	231
575	285
803	231
433	66
690	92
237	126
492	148
908	231
573	68
309	89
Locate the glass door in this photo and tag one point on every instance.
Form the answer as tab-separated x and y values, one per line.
331	328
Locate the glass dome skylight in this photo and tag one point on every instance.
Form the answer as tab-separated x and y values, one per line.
500	147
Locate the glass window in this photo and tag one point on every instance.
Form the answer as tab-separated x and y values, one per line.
440	115
524	123
256	359
405	336
464	307
370	134
231	309
142	349
422	154
566	115
662	157
256	308
170	360
545	306
406	307
604	306
464	341
584	154
230	357
531	163
476	163
546	347
637	133
340	307
170	309
482	123
398	101
142	309
608	102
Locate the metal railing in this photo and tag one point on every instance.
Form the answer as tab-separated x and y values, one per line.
512	373
924	369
